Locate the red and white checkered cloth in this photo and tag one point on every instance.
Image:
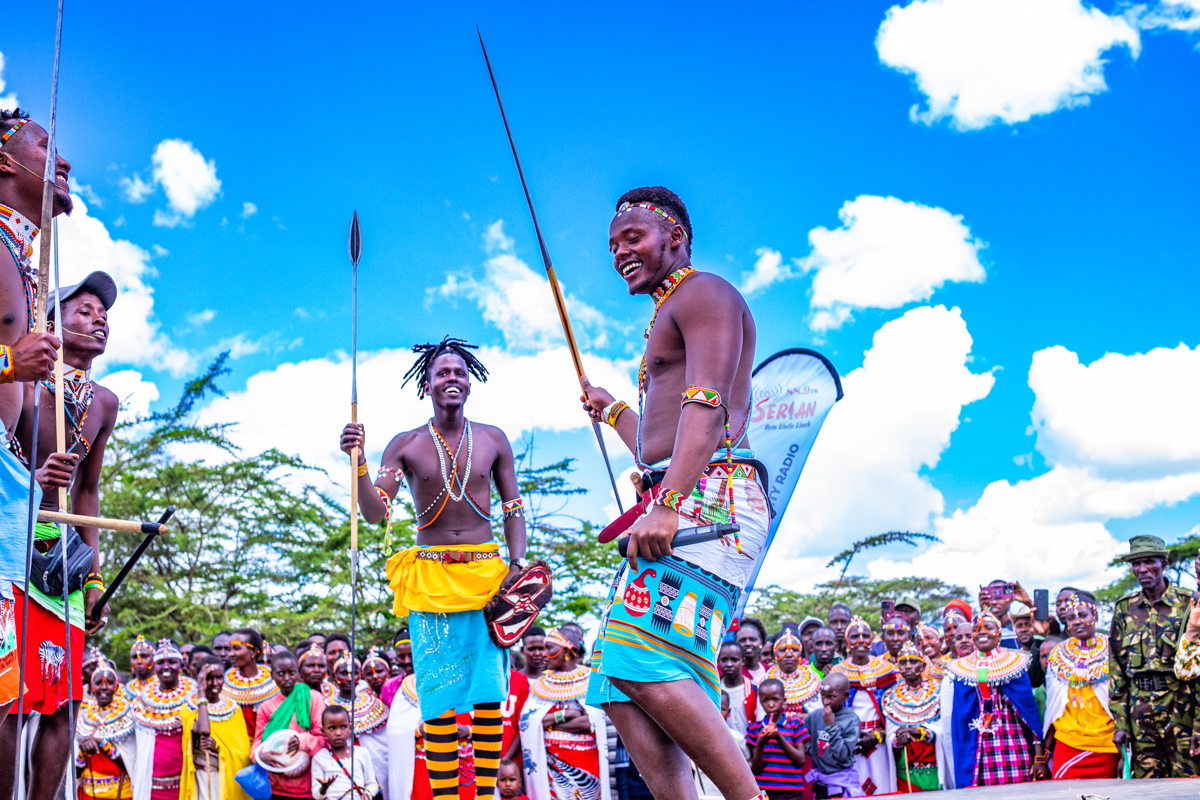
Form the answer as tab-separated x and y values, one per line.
1005	754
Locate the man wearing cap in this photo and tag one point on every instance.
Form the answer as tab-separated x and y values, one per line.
808	626
25	356
1153	711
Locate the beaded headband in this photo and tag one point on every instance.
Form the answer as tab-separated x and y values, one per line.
344	658
929	633
104	666
8	134
166	649
983	616
90	655
788	641
141	644
1075	602
626	206
856	622
909	652
313	650
373	655
896	623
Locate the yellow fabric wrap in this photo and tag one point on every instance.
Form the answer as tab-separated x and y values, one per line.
233	740
427	585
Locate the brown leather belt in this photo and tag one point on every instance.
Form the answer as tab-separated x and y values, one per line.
455	556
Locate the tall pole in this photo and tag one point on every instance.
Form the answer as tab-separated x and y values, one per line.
555	289
43	290
355	255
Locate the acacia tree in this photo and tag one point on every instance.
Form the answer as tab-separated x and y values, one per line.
775	605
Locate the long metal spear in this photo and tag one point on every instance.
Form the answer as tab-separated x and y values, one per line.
554	287
355	255
43	290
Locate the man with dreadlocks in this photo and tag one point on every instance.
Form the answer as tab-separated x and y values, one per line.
25	357
443	583
656	673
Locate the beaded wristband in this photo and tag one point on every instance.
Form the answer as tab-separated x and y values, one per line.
671	499
362	470
8	369
878	736
560	717
614	412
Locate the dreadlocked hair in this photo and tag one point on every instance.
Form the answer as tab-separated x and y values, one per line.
430	352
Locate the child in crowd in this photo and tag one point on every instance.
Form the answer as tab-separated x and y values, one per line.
509	783
777	742
331	766
835	732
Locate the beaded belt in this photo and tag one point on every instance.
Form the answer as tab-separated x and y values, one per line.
455	556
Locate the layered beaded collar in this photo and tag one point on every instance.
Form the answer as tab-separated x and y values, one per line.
868	675
158	709
997	667
109	723
905	705
369	710
219	711
1081	663
799	687
250	691
561	686
409	688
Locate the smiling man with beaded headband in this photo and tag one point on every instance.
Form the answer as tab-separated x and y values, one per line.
655	673
444	583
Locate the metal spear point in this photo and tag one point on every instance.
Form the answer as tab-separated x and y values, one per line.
355	255
554	287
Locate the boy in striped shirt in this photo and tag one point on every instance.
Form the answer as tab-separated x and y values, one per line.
778	754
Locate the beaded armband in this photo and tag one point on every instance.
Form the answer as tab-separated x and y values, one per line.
8	369
671	499
705	397
614	411
514	508
395	473
387	503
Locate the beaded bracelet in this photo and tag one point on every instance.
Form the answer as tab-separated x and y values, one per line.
387	503
878	736
560	717
614	412
8	370
671	499
362	469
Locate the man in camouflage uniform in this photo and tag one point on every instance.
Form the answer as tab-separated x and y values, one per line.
1152	709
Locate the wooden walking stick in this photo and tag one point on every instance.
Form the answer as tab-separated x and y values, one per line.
204	728
48	181
555	289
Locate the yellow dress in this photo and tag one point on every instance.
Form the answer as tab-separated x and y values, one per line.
229	731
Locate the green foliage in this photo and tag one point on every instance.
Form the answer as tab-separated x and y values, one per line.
775	605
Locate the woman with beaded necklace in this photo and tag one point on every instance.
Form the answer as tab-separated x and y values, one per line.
559	733
159	726
1078	723
802	687
870	677
370	714
248	683
990	714
212	760
911	710
106	753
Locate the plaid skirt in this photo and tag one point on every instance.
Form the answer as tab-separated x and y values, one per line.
1004	753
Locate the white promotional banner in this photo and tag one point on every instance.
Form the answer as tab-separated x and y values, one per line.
793	392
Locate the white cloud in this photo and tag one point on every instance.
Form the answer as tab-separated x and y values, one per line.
1121	437
887	253
7	101
1180	15
518	301
249	210
164	220
768	269
1124	414
190	182
136	337
982	61
136	190
159	251
311	429
198	318
88	193
864	475
134	393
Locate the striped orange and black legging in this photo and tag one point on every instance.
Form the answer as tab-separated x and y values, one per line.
441	751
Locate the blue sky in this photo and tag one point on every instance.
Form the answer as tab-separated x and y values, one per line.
1040	159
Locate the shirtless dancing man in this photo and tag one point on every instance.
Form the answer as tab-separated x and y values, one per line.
444	582
655	671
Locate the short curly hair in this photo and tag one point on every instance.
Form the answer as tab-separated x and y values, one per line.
665	199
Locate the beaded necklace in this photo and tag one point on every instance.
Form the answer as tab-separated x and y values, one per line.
659	296
562	686
250	691
369	710
109	723
159	710
77	395
448	478
18	234
905	705
219	711
799	687
865	675
1081	663
409	687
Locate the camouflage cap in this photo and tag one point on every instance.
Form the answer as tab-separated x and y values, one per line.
1145	547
